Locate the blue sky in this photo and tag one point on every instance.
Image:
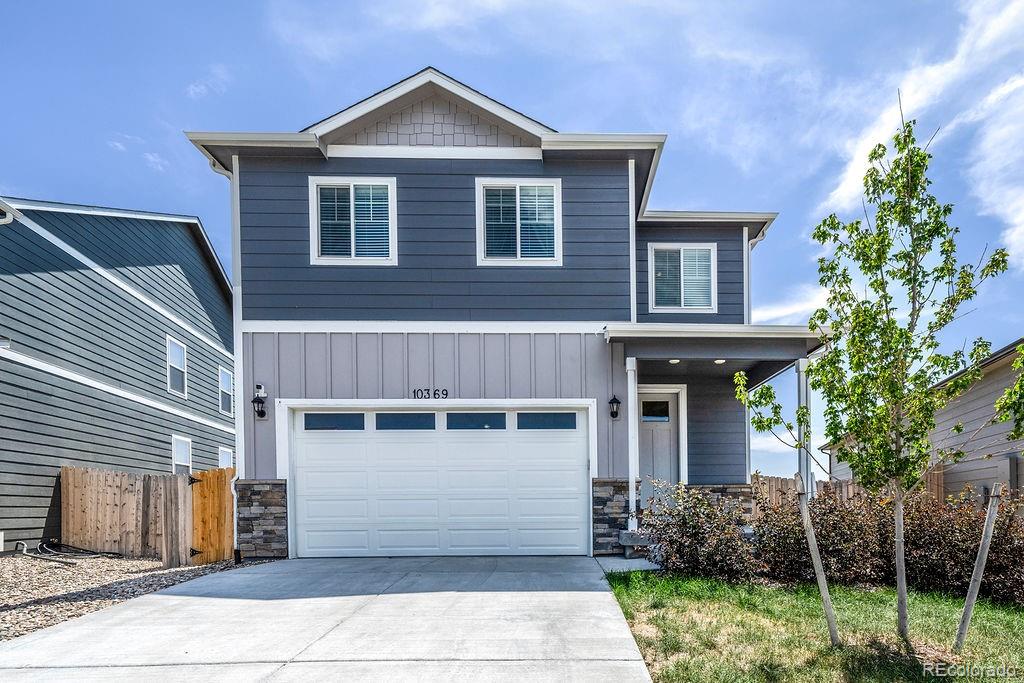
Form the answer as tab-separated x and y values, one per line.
768	106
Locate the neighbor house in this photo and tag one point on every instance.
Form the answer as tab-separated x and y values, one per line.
115	352
989	456
462	332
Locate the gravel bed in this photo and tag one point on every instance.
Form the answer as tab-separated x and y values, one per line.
35	594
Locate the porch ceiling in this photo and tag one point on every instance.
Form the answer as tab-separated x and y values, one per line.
660	371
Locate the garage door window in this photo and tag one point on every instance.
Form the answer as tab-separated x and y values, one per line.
476	420
546	420
334	422
405	421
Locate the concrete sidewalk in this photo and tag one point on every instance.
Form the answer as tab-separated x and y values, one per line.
471	618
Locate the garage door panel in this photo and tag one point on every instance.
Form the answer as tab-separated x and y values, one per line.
486	491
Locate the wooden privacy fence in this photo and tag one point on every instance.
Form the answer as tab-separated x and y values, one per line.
149	515
776	489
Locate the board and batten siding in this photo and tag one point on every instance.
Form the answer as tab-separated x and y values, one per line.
730	270
437	277
482	365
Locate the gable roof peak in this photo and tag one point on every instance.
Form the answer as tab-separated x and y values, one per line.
425	80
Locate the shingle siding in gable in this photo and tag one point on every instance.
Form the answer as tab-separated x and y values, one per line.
437	277
730	271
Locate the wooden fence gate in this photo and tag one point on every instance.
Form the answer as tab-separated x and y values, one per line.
149	515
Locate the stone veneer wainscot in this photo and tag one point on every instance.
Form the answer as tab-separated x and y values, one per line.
262	518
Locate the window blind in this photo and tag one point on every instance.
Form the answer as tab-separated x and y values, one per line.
537	221
500	222
667	287
371	213
696	278
335	221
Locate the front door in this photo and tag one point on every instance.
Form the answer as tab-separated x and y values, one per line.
659	441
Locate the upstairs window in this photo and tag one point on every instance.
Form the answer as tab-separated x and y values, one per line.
177	372
353	221
683	278
519	221
226	388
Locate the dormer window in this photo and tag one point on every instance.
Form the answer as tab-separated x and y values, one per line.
353	221
682	278
519	221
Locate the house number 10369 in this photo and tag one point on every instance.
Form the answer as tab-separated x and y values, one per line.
428	393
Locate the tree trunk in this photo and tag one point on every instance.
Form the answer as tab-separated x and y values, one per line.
902	615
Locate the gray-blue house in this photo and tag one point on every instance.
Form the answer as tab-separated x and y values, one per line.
115	352
468	334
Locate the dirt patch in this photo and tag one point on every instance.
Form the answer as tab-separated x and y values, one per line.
35	594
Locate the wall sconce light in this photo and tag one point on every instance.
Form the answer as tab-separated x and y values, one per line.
259	401
613	407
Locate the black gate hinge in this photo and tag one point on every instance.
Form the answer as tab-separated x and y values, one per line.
192	552
193	480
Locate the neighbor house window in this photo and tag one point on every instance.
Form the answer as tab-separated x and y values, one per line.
353	221
682	278
177	369
225	457
181	455
519	222
226	388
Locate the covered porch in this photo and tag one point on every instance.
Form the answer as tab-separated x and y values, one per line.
684	424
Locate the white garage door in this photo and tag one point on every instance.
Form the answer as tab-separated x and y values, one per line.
440	483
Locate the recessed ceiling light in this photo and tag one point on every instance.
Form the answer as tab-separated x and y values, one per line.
674	361
720	361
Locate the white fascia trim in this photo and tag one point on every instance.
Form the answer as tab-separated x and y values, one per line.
584	141
709	216
427	76
430	152
58	371
270	139
315	183
421	327
481	240
285	407
121	284
680	246
693	330
632	240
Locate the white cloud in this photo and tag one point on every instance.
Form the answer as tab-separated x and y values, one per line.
155	161
120	142
795	309
116	145
991	31
215	81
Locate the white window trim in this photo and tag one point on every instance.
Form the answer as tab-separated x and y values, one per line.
481	242
175	439
316	182
665	246
221	450
231	390
167	359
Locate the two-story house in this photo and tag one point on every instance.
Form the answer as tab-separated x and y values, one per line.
115	352
465	333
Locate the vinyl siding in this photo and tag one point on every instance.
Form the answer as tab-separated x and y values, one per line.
57	310
730	271
437	277
50	421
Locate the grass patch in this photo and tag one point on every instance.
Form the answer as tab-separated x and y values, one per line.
705	630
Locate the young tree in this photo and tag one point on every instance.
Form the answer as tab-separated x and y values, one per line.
894	282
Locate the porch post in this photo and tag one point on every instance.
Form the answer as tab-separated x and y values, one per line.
803	400
633	438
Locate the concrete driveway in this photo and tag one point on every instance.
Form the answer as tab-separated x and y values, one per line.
471	618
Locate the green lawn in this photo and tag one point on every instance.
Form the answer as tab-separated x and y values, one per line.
703	630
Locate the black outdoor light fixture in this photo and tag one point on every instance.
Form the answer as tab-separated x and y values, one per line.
613	406
259	400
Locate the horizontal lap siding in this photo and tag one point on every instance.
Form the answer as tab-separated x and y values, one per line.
164	259
730	272
437	277
48	421
470	366
56	310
